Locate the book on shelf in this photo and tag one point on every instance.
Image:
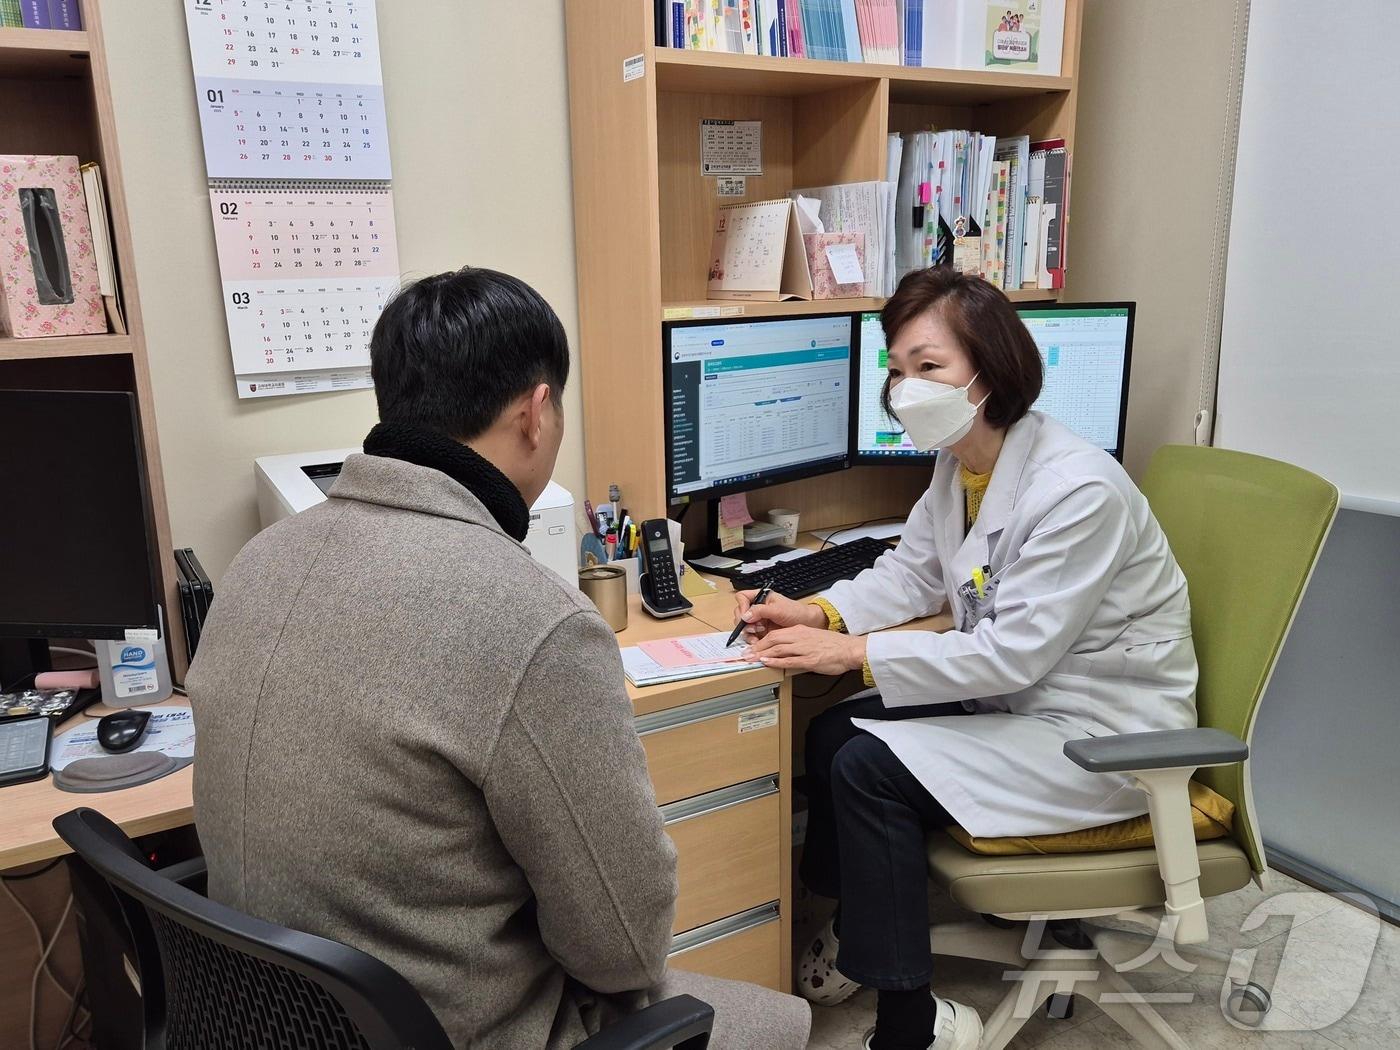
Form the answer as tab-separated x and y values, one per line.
797	41
824	29
41	14
879	30
65	14
1025	36
988	206
35	14
103	256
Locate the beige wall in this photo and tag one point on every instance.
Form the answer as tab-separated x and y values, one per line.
478	129
1147	195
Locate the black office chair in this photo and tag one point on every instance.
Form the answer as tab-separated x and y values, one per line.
213	978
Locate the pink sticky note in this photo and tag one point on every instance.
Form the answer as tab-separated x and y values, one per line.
734	510
669	653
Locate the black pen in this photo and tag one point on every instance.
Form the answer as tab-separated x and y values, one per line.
758	599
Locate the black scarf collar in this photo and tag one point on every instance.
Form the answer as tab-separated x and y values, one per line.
475	473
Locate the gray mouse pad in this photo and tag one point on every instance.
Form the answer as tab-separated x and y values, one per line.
114	772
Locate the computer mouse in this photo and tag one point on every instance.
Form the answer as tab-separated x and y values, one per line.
122	731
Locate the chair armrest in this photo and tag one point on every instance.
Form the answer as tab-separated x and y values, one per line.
1165	749
1162	764
682	1021
193	874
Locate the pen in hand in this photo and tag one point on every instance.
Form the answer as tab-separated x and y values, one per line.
758	599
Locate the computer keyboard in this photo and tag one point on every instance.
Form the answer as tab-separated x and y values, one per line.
817	571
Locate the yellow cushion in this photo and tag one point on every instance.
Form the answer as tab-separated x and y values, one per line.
1212	817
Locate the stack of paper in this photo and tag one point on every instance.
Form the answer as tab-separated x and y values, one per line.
988	206
679	659
941	198
1016	152
862	207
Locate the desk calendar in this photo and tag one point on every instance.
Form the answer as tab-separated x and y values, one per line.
757	253
289	88
306	269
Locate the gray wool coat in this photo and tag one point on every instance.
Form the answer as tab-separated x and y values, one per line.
414	739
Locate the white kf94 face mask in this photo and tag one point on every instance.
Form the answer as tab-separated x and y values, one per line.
935	415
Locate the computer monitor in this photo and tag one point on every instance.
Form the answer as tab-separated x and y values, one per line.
753	403
1085	349
77	543
878	438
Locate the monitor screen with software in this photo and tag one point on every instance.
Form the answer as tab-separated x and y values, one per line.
76	537
752	403
1085	348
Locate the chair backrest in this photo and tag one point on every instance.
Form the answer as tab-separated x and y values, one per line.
1246	532
213	978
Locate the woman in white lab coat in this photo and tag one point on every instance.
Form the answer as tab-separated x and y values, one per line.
1071	620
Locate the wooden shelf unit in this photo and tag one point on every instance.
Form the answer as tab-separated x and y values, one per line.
56	99
63	346
43	53
643	214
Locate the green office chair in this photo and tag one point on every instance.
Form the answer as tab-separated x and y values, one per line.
1246	532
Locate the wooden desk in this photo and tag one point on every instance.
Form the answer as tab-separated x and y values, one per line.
733	852
26	830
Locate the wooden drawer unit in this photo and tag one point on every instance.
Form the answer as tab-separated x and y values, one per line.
743	947
728	846
708	745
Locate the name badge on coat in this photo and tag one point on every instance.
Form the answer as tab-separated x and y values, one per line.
978	597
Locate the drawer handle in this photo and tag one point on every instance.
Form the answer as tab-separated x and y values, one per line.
713	801
705	935
688	714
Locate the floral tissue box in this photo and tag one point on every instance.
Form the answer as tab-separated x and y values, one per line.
48	274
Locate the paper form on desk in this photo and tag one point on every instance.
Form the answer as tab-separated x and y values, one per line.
706	652
694	650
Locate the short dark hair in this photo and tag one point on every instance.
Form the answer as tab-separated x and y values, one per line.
451	351
985	324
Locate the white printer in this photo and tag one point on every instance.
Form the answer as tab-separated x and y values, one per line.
290	484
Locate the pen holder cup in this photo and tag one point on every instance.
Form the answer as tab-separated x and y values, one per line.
606	587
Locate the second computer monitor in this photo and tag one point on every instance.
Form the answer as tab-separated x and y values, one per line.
752	403
1085	349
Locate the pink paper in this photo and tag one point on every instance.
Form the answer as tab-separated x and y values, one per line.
669	653
734	510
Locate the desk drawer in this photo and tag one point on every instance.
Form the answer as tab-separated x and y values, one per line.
743	947
700	747
727	846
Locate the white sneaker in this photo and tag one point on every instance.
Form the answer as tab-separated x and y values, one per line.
818	979
956	1027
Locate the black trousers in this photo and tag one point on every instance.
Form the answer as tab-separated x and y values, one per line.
867	818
